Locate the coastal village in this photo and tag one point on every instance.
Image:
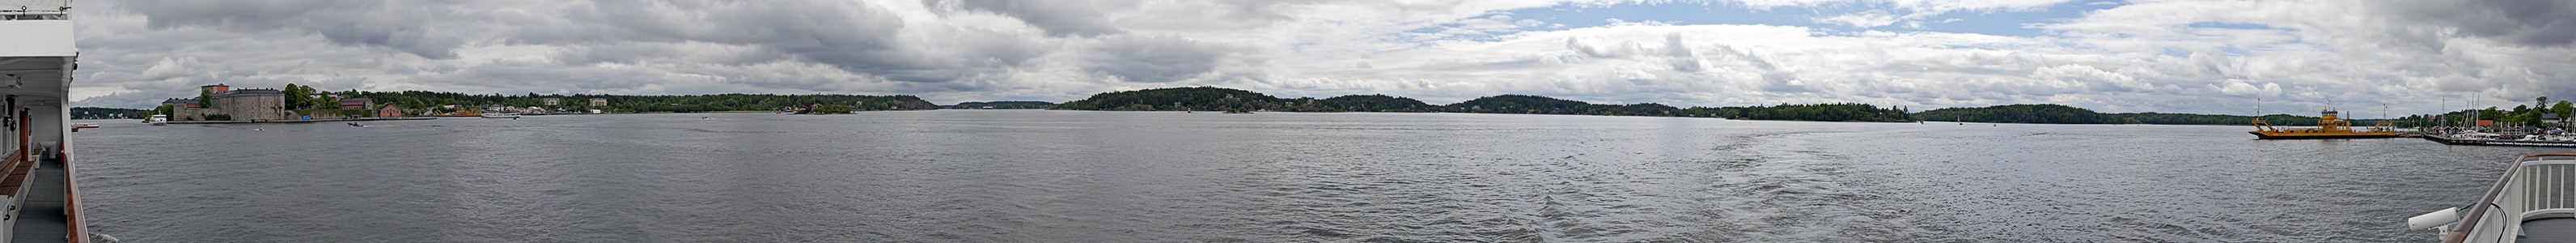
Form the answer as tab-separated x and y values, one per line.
219	103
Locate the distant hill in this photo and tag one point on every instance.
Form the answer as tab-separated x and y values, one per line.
1172	99
1812	112
109	113
2061	114
1216	99
1379	103
1523	104
1006	105
648	103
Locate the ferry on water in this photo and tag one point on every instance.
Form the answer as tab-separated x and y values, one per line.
2535	201
2328	126
36	64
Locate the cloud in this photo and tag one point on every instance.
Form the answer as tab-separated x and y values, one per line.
353	23
1861	19
2170	56
1155	59
1057	17
2522	22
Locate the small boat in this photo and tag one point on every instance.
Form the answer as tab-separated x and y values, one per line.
158	120
2532	202
500	115
84	125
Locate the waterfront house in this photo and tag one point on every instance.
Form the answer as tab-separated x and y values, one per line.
598	102
551	101
389	111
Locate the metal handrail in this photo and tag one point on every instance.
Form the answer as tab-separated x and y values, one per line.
2487	203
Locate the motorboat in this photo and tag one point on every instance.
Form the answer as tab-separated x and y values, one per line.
500	115
158	120
84	125
2535	201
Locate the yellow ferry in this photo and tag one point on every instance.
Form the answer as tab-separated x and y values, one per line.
2328	126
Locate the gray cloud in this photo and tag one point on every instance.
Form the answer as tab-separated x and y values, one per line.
390	24
2141	57
2525	22
1155	59
1059	17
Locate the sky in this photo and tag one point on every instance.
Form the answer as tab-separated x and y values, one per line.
2190	56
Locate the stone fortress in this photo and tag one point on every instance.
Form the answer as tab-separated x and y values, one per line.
239	105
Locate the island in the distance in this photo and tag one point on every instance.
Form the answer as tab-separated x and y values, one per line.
1212	99
1234	100
1004	105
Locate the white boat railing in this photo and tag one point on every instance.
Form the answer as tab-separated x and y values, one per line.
2533	187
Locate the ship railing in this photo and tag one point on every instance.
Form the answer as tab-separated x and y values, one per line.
34	13
2511	200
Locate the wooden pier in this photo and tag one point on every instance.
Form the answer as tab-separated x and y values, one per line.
2500	142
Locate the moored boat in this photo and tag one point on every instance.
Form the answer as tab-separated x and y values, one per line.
2328	126
158	120
2534	201
500	115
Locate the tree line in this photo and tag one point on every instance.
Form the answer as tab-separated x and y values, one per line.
1232	100
2061	114
646	103
2521	115
1005	105
109	113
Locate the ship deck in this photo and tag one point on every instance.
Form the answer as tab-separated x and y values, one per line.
2554	230
41	214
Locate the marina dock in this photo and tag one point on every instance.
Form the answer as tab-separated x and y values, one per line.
2454	140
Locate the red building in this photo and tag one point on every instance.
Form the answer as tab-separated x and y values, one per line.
389	111
356	103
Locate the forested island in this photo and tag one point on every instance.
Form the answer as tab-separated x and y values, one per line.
648	103
109	113
1004	105
1234	100
2061	114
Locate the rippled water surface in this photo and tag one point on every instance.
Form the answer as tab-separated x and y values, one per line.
1073	176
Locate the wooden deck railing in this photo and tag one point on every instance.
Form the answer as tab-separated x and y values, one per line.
77	229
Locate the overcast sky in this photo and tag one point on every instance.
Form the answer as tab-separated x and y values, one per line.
2112	56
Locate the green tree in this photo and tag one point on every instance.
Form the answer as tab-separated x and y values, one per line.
205	98
296	98
163	110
